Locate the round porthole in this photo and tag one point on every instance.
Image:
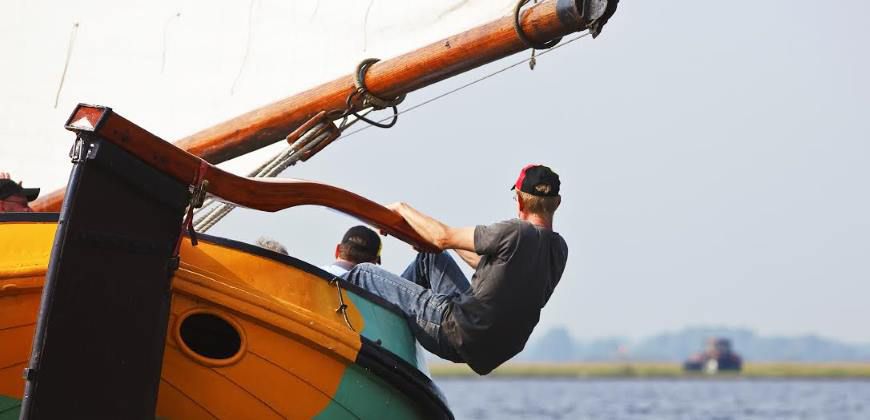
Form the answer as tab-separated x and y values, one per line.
210	338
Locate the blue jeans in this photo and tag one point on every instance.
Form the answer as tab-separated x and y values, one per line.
423	293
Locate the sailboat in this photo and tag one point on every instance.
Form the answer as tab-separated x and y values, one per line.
114	306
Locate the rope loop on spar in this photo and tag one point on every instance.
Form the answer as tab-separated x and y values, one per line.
522	34
368	98
361	117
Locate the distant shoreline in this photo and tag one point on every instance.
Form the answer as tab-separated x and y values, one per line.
659	370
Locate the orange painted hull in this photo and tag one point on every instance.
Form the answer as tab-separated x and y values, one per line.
296	356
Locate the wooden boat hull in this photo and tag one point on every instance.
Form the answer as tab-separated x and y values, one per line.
293	354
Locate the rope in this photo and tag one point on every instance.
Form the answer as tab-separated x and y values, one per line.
247	46
204	224
289	156
342	307
200	186
366	24
165	36
369	99
69	50
366	102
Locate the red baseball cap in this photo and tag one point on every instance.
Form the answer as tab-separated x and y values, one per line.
538	180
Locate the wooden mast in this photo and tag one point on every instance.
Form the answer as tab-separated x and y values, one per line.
454	55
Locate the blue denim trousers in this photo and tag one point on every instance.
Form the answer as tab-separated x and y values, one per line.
423	293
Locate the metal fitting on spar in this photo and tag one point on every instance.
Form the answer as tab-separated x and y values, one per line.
586	14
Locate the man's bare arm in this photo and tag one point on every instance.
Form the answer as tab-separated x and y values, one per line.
443	236
470	258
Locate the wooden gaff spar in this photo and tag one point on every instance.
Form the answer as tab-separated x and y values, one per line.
544	22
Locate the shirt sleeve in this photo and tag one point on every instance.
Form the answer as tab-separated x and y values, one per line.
495	239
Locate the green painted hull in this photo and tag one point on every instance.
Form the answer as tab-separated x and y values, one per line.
362	393
10	408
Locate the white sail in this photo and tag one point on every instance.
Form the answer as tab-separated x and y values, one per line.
178	67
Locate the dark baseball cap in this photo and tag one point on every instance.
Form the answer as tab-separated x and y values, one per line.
538	180
364	239
9	187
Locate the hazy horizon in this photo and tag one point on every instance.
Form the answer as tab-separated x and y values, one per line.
693	327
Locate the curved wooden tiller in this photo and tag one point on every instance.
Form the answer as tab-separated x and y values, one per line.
267	195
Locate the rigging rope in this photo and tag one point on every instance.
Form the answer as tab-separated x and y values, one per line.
69	50
366	24
165	35
308	142
247	46
290	155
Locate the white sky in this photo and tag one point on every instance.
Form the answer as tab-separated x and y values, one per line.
714	161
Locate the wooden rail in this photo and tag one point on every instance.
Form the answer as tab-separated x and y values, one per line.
266	195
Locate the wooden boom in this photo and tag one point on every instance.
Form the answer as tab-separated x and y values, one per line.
266	195
454	55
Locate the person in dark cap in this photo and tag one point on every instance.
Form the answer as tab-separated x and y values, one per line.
13	197
517	262
359	245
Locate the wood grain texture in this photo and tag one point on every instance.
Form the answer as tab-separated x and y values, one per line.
256	193
389	78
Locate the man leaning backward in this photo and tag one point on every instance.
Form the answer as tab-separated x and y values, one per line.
517	264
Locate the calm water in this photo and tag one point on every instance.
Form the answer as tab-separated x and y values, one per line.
657	399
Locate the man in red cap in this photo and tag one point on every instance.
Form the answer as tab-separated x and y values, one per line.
517	264
13	197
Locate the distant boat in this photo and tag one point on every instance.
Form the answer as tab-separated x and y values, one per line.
718	356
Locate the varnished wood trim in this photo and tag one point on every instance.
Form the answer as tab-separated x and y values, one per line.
255	193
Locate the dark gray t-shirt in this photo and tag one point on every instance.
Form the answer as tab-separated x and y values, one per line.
520	266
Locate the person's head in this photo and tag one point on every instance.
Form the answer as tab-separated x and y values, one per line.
359	245
13	197
537	193
271	244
